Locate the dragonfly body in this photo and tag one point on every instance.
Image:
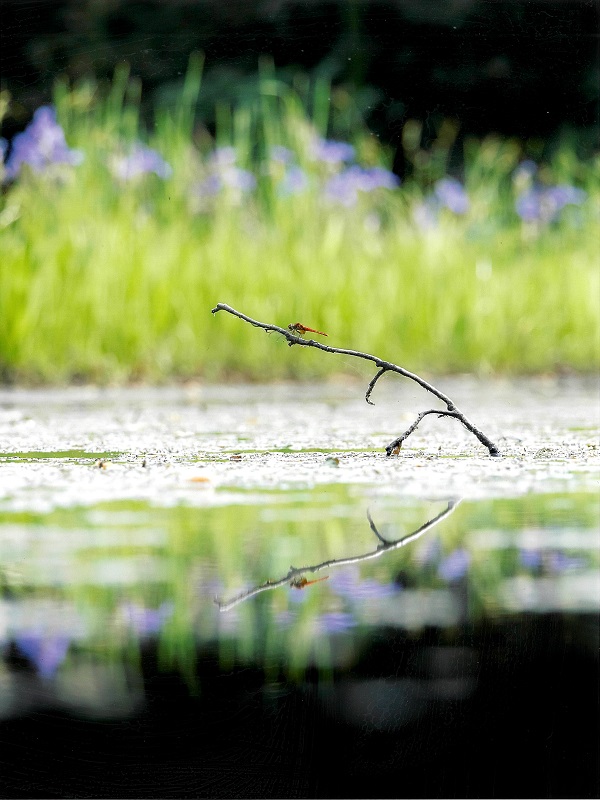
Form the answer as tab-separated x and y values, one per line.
301	329
300	583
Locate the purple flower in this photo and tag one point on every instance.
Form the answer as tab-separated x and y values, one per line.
3	148
140	161
40	145
236	178
146	621
425	215
47	653
455	565
564	195
331	152
280	154
378	178
223	157
525	170
528	205
345	186
228	178
545	204
294	181
451	194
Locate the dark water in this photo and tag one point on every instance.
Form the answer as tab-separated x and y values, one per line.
450	649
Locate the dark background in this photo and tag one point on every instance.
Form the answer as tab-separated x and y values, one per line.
516	67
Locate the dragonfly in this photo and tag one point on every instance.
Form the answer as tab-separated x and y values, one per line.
300	583
300	329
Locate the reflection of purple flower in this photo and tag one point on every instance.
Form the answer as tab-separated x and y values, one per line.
47	653
348	583
335	622
451	194
332	152
455	565
140	161
41	144
285	618
429	551
146	621
295	180
561	562
530	558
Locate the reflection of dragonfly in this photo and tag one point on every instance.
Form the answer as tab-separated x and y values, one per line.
301	329
300	583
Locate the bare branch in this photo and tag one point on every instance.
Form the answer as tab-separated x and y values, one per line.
383	366
296	572
381	372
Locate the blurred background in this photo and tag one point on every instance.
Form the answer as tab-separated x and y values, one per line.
416	178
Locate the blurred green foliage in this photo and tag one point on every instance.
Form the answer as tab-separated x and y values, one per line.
112	279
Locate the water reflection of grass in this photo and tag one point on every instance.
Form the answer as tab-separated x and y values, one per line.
94	584
495	272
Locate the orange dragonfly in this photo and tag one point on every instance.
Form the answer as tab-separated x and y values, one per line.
301	329
300	583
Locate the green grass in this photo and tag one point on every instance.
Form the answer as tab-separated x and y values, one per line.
109	281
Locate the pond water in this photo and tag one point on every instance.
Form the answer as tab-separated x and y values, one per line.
233	592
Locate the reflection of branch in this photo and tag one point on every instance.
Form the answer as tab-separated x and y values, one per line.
384	366
384	547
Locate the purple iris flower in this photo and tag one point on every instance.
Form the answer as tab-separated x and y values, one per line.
47	653
455	565
280	154
528	205
140	161
525	170
565	195
294	181
40	145
222	157
425	215
236	178
451	194
345	186
146	621
224	174
545	204
229	178
330	151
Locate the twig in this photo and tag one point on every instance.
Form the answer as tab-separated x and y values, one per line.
296	572
383	366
